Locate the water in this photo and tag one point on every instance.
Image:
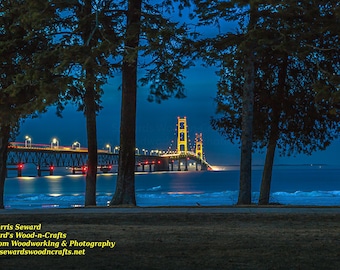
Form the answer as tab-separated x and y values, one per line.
291	185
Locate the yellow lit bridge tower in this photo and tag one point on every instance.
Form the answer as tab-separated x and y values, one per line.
199	145
182	135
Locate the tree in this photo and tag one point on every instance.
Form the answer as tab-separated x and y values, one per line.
235	53
287	112
163	45
29	80
91	41
125	187
249	49
306	65
286	60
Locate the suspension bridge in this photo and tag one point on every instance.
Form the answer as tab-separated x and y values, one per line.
46	157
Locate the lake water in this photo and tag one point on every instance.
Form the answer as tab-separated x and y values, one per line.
295	185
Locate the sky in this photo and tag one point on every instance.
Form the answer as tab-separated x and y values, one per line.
156	123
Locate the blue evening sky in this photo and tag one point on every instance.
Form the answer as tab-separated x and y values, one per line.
156	123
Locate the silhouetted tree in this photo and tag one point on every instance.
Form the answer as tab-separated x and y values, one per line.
292	50
288	111
304	61
235	53
163	45
29	80
125	187
91	37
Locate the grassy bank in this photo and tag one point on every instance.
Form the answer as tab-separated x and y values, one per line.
182	241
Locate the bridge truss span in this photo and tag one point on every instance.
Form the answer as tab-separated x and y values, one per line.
46	159
58	158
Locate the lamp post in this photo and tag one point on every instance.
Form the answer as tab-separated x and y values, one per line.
116	149
108	148
76	145
28	141
54	143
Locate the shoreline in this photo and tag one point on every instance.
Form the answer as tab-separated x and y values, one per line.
279	209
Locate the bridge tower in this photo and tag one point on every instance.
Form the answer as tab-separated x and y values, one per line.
199	145
182	135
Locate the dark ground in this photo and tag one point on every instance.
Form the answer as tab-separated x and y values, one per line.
188	240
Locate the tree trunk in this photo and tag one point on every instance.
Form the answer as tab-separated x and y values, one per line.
4	139
90	113
274	134
244	196
91	128
268	168
125	187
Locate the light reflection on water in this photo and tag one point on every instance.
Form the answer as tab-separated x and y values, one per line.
291	185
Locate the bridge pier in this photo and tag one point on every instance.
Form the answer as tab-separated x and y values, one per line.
154	165
50	169
171	165
161	165
148	167
18	168
185	161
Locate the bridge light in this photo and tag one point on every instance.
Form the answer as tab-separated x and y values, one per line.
76	145
51	169
117	148
55	143
28	141
108	148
